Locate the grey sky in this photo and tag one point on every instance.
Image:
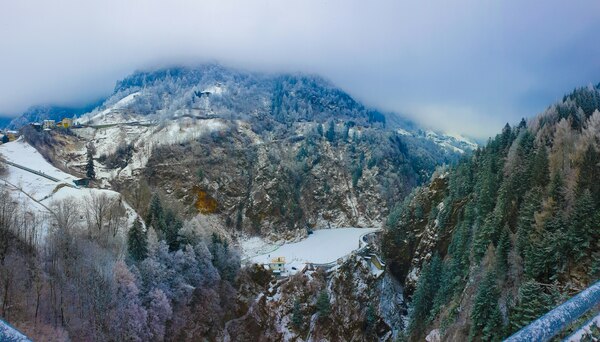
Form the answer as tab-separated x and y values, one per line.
461	66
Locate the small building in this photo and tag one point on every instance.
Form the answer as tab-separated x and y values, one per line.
84	182
65	123
277	265
37	126
374	258
12	135
49	124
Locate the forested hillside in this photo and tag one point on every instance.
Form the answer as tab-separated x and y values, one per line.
508	233
269	154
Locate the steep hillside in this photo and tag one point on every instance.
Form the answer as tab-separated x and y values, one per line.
266	153
499	239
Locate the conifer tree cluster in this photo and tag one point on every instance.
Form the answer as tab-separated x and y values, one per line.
524	217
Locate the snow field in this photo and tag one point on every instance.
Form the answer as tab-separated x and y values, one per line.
322	247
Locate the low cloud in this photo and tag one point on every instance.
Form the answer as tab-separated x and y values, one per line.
463	66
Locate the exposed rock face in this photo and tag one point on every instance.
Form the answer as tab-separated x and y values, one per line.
405	253
277	186
361	308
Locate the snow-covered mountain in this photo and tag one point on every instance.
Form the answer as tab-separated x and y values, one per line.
452	142
246	141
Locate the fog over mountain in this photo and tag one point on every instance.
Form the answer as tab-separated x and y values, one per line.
463	67
299	171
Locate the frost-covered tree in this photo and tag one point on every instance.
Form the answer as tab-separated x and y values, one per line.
128	316
159	313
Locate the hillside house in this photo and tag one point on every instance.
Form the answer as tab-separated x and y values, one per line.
83	182
12	135
65	123
37	126
48	124
277	265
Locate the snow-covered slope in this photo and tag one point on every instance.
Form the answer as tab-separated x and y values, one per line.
38	194
39	187
448	141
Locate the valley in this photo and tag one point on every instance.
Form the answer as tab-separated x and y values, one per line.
216	204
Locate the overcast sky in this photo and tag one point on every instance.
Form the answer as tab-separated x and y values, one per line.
460	66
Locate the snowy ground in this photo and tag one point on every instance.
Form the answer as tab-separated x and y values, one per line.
37	193
20	152
322	247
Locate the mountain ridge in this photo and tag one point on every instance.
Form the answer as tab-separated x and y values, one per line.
183	83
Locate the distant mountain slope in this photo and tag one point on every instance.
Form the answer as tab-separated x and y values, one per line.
4	121
267	153
507	234
215	90
212	90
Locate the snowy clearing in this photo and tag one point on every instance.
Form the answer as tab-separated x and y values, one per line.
20	152
322	247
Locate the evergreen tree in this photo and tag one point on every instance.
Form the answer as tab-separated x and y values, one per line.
370	318
155	216
323	305
137	242
557	191
532	303
502	253
320	130
5	139
423	299
487	185
589	173
537	255
583	226
483	237
297	315
90	172
540	175
506	137
330	134
557	244
525	220
486	317
172	226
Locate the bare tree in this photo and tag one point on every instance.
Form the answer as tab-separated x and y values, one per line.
66	213
116	216
8	210
98	206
